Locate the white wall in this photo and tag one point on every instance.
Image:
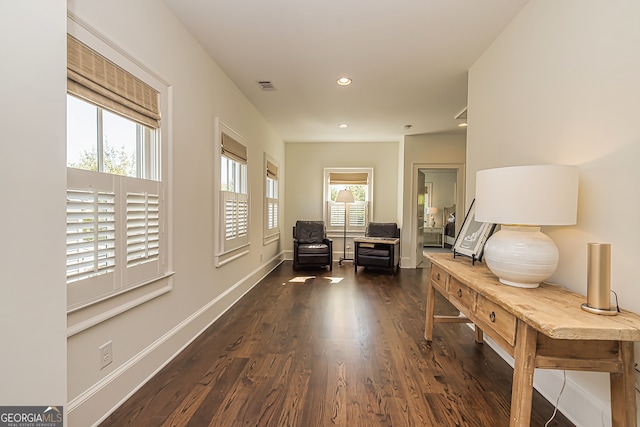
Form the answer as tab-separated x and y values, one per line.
305	170
32	184
560	85
148	335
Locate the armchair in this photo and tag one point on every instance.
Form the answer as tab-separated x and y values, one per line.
311	247
380	246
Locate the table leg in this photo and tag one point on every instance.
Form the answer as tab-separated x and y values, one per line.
523	369
430	310
623	396
479	335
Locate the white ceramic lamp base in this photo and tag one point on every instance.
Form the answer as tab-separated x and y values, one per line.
521	256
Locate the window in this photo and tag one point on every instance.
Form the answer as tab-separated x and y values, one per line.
357	214
115	211
271	205
233	214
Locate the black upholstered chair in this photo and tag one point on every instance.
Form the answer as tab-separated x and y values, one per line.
381	250
311	247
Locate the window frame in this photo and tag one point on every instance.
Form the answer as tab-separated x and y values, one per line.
89	307
227	250
338	230
271	234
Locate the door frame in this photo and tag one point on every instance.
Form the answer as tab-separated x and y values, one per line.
460	199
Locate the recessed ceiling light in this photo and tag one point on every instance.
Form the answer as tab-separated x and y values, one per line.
344	81
343	125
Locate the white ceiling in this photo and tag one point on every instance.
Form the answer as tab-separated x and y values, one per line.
408	60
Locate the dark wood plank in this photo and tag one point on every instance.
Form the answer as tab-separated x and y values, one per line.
322	353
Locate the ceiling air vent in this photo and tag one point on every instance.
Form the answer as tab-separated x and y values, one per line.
266	85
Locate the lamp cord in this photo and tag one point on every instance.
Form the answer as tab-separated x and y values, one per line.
616	295
555	409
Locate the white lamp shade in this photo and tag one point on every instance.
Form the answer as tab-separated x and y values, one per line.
345	196
527	195
432	210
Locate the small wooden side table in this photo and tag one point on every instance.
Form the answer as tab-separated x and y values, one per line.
540	328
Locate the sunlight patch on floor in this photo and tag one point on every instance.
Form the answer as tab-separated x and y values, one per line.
303	279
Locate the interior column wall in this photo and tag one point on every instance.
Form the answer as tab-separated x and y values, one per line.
432	149
33	184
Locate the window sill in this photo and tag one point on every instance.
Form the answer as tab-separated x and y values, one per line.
229	256
270	239
89	315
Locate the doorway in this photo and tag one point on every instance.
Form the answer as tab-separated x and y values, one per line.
441	188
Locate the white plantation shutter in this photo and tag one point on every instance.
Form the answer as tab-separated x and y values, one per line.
91	234
235	219
357	215
272	214
114	234
92	257
336	214
243	215
143	228
230	224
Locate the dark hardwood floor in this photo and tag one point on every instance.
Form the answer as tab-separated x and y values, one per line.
326	352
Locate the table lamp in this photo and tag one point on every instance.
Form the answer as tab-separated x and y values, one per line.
431	211
521	199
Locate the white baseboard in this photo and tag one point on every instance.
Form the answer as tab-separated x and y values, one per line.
96	403
405	262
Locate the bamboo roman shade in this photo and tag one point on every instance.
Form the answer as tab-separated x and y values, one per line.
348	178
92	77
233	149
272	170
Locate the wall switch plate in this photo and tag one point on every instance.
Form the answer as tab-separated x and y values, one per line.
105	354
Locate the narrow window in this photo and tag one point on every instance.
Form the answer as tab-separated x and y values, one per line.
271	211
114	188
233	212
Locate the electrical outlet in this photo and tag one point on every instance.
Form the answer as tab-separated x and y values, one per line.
105	354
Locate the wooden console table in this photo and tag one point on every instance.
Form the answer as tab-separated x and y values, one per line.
540	328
